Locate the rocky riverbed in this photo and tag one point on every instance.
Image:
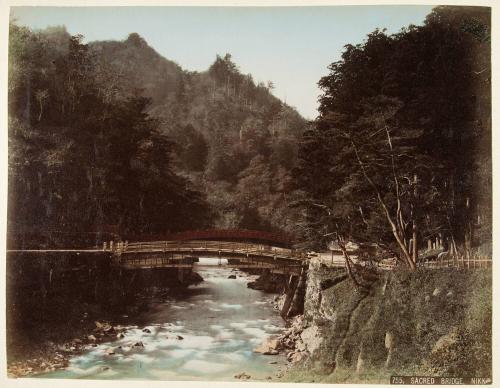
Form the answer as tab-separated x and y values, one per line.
207	332
50	347
43	345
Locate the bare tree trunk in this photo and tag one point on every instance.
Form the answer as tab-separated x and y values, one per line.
41	110
348	263
453	245
414	220
468	230
415	243
396	228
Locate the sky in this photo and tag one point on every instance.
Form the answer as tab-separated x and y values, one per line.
290	46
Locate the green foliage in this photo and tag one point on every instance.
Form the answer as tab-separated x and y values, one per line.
83	151
220	121
191	148
84	115
404	121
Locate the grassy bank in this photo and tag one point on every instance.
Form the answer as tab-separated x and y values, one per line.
426	322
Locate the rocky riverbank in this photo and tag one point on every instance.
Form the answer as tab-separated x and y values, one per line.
268	282
48	355
291	292
49	345
425	322
44	332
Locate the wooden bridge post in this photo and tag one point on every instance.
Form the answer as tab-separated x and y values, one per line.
104	246
111	245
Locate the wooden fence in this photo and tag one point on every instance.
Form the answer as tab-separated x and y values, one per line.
474	262
462	262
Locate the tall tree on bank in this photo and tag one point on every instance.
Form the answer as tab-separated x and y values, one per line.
402	143
83	152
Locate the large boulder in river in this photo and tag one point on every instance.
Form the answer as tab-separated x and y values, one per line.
102	327
195	277
270	346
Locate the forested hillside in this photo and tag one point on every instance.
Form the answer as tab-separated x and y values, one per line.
403	140
112	134
233	139
84	153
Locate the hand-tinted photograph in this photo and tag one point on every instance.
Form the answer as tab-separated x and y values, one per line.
263	194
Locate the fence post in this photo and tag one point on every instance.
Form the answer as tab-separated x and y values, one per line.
104	246
111	245
429	245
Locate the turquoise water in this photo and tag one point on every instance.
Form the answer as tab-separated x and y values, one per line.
220	322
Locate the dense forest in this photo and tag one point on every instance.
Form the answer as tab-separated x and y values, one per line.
111	133
112	136
234	140
401	150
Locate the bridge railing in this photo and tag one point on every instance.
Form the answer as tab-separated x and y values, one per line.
213	246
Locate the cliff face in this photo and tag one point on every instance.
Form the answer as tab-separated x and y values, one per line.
435	323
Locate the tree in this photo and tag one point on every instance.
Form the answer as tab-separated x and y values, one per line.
393	157
81	157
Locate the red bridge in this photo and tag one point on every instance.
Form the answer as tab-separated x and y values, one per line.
230	235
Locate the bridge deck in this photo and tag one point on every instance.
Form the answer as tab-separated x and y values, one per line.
210	246
165	254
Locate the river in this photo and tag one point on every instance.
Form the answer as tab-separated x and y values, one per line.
208	333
